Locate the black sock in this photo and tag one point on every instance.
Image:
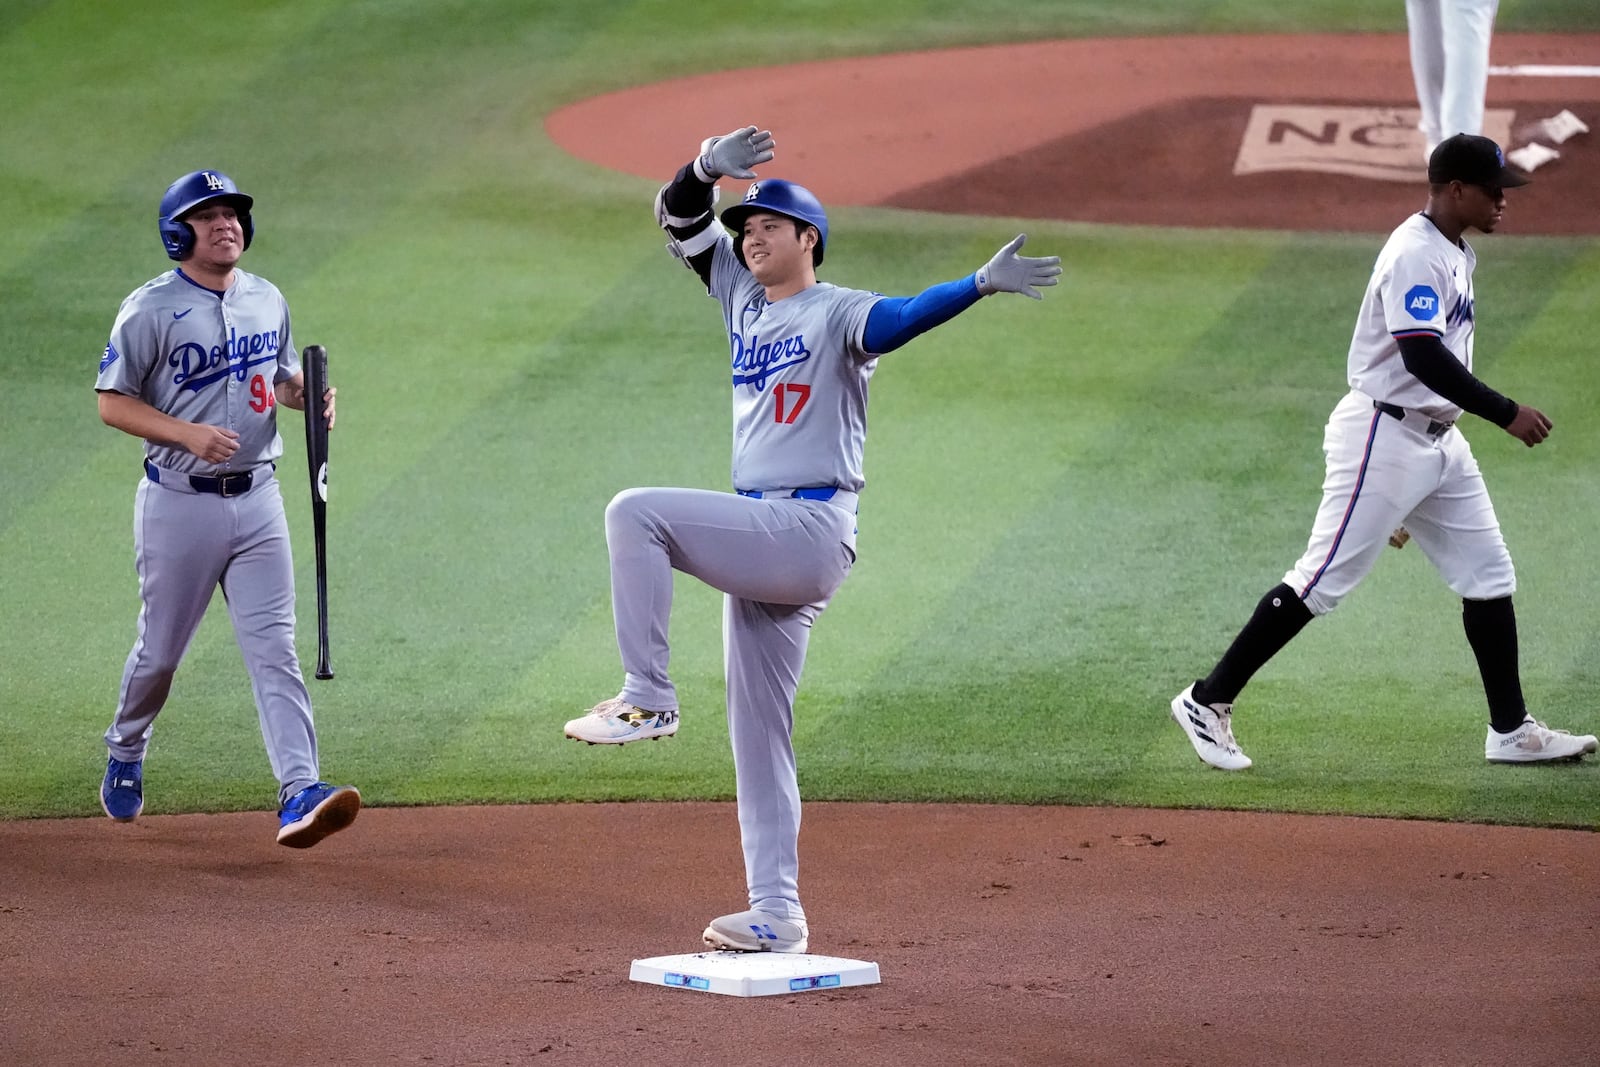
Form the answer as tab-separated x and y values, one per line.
1278	617
1491	627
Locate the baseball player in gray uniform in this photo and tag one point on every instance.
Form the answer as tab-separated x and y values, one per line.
802	354
199	360
1399	469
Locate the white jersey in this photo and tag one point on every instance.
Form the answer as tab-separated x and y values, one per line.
1421	284
205	357
800	379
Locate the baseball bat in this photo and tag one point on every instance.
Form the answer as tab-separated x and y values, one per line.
315	362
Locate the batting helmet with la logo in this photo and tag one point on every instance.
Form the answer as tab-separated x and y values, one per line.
780	198
192	191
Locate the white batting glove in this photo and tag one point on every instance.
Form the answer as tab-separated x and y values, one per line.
734	154
1008	272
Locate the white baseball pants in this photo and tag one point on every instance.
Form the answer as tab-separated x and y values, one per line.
1383	474
1450	63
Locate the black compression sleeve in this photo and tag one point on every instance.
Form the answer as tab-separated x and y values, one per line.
1435	366
687	197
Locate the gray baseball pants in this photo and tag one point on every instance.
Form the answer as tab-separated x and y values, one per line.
778	560
186	544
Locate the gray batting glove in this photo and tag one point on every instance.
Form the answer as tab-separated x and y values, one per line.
1008	272
734	154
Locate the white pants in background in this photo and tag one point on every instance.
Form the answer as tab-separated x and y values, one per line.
1450	63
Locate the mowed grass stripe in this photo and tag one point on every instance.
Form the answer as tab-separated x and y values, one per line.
309	97
1029	428
402	169
1543	355
507	509
301	230
89	508
1105	672
995	464
1056	615
94	110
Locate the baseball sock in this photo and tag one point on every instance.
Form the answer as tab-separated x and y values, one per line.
1278	617
1491	627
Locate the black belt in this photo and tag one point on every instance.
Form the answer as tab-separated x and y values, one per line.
222	485
1435	426
822	492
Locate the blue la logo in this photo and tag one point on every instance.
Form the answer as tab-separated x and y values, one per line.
1422	302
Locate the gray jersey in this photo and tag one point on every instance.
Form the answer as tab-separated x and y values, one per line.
205	357
799	379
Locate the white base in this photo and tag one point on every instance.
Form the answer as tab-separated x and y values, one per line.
753	974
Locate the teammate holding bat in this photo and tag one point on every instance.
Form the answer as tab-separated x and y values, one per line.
198	362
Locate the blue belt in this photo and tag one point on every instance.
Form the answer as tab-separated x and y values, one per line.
222	485
821	492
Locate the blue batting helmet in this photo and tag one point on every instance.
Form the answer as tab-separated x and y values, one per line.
781	198
190	192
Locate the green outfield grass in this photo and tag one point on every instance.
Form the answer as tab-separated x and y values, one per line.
1072	505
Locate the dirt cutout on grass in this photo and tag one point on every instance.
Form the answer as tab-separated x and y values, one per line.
1004	935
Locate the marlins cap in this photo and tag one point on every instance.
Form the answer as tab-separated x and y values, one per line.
1474	160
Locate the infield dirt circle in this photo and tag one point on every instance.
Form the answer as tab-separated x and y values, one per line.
1005	935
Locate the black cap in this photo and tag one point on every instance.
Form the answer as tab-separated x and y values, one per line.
1474	160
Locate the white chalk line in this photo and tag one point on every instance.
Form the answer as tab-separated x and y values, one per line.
1544	70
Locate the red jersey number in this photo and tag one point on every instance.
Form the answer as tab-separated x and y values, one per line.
790	395
261	395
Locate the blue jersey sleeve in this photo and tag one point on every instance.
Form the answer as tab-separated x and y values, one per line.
894	320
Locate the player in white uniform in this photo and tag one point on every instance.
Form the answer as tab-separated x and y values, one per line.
1450	64
802	355
199	360
1399	469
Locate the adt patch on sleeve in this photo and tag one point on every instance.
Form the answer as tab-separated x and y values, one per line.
1422	303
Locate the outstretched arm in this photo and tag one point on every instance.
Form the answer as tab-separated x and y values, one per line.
684	205
897	319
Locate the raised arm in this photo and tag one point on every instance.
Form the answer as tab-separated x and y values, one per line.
684	205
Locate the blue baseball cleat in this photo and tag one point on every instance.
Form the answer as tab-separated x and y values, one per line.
122	790
315	812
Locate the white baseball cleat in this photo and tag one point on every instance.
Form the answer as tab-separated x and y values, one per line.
616	722
756	931
1209	729
1534	742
